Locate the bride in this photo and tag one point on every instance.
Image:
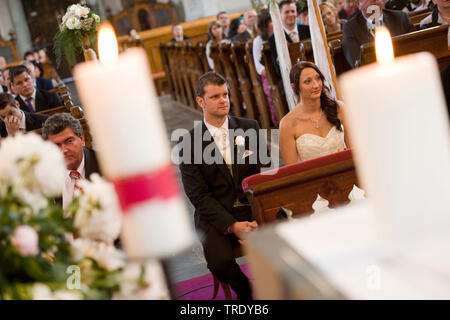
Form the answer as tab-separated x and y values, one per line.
315	127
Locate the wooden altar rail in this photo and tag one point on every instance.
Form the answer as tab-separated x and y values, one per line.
433	40
151	39
295	187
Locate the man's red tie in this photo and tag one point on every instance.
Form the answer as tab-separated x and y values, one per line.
75	175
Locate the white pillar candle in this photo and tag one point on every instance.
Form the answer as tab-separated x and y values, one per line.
400	131
129	133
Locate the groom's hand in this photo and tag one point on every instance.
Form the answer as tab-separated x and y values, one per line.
240	229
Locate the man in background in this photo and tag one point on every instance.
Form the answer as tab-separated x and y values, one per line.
14	120
178	33
224	21
361	27
67	133
31	99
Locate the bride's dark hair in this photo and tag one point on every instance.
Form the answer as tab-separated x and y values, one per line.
328	105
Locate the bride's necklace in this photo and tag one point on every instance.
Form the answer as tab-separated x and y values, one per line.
316	121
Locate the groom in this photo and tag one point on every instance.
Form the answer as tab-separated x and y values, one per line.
212	173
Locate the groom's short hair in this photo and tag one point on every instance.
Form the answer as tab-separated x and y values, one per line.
207	79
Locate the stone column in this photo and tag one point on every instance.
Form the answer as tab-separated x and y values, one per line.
19	20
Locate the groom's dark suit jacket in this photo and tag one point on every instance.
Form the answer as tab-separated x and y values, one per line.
355	32
210	187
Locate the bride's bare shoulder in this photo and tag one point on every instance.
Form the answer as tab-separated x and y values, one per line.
290	119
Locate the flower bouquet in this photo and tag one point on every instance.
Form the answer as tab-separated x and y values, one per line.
77	31
50	253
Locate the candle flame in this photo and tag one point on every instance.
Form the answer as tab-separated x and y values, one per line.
383	45
108	48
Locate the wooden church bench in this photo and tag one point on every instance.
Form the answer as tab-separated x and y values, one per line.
433	40
296	186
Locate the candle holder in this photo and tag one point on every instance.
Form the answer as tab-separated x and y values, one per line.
89	53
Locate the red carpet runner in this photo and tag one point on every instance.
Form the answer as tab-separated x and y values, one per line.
201	288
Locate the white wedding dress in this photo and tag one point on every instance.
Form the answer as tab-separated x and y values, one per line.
311	146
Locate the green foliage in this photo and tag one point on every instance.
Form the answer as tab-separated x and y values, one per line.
17	272
69	41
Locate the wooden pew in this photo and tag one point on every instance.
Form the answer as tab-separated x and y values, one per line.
215	56
415	19
195	68
184	72
178	61
245	86
340	62
200	49
258	92
278	99
433	40
232	79
52	111
295	187
221	55
175	73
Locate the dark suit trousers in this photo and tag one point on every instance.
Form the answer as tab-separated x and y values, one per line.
218	249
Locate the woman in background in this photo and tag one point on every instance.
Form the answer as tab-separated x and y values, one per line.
330	18
215	33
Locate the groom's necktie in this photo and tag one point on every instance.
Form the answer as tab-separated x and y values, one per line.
30	105
223	132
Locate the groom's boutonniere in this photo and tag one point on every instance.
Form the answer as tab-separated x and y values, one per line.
239	141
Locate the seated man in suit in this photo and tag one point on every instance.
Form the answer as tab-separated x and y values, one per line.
361	27
212	170
39	83
250	30
439	16
292	31
178	33
15	120
224	19
67	133
30	98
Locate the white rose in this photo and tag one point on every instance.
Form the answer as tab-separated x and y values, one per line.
154	277
26	239
73	23
240	141
33	168
72	9
41	292
81	11
66	16
99	216
108	257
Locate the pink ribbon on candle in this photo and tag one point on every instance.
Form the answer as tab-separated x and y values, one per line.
131	191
